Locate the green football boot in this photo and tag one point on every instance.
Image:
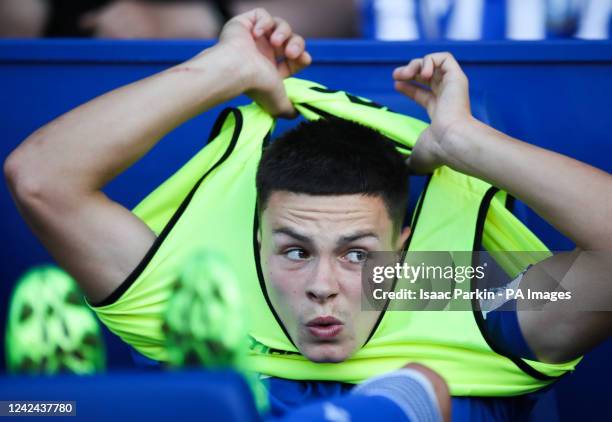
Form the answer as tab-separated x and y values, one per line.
205	321
50	329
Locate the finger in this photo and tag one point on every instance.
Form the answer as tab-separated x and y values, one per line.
262	22
409	71
282	32
295	47
278	104
417	167
305	59
413	167
443	57
447	63
427	70
291	67
421	95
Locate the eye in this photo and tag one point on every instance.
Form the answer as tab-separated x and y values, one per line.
297	254
356	256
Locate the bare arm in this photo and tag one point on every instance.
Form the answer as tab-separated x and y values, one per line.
56	175
557	187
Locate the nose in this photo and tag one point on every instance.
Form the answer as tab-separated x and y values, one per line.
324	284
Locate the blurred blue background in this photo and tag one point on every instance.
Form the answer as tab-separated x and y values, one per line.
556	94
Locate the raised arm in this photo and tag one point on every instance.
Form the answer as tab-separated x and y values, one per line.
572	196
57	173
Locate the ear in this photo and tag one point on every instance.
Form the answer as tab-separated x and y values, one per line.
259	238
403	237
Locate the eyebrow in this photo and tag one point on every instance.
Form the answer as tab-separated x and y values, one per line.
342	241
356	236
289	232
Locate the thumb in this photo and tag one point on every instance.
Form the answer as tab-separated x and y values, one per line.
417	166
424	158
276	103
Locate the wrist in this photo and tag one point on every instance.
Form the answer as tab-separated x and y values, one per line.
454	141
238	65
225	59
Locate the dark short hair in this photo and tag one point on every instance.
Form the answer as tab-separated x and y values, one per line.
335	157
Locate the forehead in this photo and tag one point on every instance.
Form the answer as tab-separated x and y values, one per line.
326	213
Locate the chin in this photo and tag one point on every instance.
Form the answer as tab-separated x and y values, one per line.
326	353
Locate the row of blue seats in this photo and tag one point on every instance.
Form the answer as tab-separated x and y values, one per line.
131	396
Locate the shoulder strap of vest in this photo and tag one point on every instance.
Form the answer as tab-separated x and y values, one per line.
157	208
164	206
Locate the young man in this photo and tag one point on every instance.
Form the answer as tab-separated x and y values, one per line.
315	238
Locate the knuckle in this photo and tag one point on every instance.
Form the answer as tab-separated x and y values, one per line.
438	57
262	13
448	55
281	22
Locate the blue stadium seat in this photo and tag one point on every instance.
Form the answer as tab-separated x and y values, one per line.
162	396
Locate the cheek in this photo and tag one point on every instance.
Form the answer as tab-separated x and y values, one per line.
352	288
285	292
283	283
362	321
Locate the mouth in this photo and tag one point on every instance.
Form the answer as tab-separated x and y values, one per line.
325	327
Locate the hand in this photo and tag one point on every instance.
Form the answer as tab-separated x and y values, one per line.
269	51
438	84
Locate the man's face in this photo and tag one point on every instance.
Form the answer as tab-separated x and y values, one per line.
312	252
